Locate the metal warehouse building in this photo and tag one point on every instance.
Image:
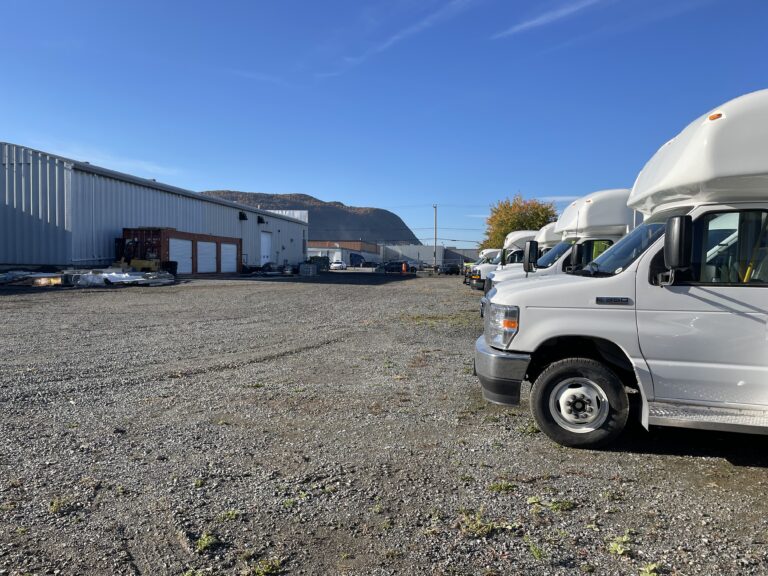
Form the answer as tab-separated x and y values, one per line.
61	212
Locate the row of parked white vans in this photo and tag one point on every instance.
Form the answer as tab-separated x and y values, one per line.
650	303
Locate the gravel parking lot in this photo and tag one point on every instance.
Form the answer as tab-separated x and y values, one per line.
327	427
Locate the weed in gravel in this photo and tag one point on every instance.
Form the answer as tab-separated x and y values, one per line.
21	530
377	508
230	515
289	503
17	483
613	495
561	505
587	568
536	551
59	506
538	504
207	542
529	429
502	487
268	567
650	569
474	525
199	482
466	478
193	572
255	385
7	506
620	545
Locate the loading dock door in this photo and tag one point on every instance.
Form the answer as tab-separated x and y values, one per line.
266	247
181	251
229	257
206	257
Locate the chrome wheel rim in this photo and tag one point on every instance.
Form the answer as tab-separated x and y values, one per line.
579	405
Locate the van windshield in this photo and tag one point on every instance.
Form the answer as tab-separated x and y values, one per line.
553	255
629	248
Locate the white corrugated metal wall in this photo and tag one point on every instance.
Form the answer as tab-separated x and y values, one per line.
52	212
35	226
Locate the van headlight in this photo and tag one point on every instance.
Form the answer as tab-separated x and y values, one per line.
501	323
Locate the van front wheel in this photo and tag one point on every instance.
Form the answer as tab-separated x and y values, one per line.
579	402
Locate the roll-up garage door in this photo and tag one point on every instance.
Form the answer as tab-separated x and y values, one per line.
181	251
206	257
229	257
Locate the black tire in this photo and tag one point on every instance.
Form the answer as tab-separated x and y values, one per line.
565	379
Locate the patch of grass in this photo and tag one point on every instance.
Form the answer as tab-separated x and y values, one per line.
230	515
502	487
650	569
7	506
475	525
268	567
59	506
529	429
207	542
554	505
199	482
536	551
21	530
561	505
255	385
620	545
193	572
466	478
289	503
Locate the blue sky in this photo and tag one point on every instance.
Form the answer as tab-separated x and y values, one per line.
399	104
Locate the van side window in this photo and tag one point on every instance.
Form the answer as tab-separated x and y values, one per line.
731	248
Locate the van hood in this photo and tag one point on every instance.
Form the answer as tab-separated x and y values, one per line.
550	290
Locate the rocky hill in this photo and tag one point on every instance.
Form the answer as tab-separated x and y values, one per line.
330	220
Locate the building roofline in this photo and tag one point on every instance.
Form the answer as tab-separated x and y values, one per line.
83	166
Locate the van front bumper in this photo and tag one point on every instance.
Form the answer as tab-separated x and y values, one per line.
500	373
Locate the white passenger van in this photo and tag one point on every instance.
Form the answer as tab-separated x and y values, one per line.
591	224
673	317
514	244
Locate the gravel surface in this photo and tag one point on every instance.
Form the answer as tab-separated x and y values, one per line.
326	427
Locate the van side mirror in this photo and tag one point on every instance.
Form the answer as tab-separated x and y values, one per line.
530	256
503	261
678	242
577	252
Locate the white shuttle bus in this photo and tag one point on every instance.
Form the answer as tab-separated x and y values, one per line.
672	319
547	238
514	244
591	224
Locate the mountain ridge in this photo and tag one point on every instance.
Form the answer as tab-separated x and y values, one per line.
330	220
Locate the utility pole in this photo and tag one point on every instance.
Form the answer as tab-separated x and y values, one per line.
434	254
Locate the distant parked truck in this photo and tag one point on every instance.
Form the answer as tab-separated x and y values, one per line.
672	319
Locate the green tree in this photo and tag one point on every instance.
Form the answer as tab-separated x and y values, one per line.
516	214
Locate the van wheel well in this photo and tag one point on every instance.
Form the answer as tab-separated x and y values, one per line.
582	347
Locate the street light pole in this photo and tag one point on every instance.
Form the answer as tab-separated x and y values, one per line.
434	254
